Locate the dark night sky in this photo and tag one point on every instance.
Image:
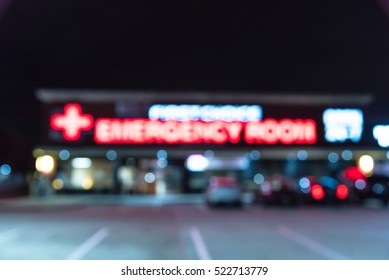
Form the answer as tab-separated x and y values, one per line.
273	45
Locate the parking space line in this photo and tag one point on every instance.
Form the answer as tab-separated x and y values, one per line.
311	244
89	244
377	232
199	244
9	235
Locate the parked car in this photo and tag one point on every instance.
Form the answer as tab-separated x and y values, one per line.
223	191
277	189
375	186
364	187
327	189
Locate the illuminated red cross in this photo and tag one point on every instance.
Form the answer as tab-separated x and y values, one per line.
71	122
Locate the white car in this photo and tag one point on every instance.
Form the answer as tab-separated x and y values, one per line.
223	191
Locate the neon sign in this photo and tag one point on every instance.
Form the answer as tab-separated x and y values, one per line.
343	124
71	122
228	113
172	132
148	131
286	131
381	134
140	131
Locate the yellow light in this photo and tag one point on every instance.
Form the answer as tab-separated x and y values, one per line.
366	165
45	164
87	184
57	184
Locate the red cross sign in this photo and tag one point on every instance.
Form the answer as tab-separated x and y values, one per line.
72	122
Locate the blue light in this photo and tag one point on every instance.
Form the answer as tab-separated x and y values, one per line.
162	163
378	188
162	154
259	179
347	155
5	169
255	155
360	184
333	157
111	155
149	178
64	154
328	182
302	155
304	183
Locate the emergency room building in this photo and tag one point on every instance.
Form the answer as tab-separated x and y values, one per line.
172	142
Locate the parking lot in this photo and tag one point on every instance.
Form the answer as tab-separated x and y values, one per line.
144	230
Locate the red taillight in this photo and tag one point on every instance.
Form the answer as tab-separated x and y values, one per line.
342	191
317	192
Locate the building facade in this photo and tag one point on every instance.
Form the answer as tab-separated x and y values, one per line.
161	142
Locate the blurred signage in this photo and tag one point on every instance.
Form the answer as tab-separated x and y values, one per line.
143	131
343	124
244	126
285	131
381	134
206	113
71	122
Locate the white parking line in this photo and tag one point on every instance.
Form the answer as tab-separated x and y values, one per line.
199	244
89	244
311	244
9	235
377	232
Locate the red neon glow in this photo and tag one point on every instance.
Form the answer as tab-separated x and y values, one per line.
317	192
72	122
353	174
342	191
285	131
142	131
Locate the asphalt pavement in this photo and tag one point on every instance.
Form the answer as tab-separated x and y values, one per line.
182	227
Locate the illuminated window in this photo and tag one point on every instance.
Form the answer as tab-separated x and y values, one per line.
343	124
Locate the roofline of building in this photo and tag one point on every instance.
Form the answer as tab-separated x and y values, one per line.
285	98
